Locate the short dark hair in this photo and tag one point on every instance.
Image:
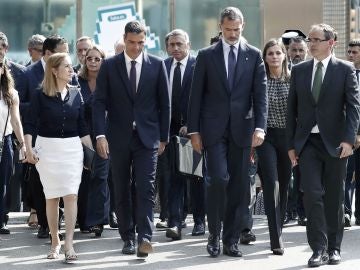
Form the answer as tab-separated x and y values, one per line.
298	39
50	43
231	13
134	27
354	42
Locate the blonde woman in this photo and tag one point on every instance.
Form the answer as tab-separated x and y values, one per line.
9	122
57	118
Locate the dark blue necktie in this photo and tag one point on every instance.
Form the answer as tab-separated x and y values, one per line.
133	77
357	74
231	66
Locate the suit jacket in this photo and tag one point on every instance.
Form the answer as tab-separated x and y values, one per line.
149	108
16	71
213	108
30	81
336	113
185	85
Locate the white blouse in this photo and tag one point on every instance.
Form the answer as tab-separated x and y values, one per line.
3	116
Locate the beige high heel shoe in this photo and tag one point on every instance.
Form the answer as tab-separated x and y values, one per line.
54	252
70	255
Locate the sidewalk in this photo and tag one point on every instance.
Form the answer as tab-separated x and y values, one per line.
22	250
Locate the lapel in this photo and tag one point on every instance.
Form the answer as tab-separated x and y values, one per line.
219	64
307	79
121	68
241	62
327	78
145	71
168	63
188	71
39	71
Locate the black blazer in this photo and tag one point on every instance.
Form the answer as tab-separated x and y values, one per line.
336	112
186	83
30	81
213	107
150	108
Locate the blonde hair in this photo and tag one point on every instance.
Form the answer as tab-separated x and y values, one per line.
49	84
84	72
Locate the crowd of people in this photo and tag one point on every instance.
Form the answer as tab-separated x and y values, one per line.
296	116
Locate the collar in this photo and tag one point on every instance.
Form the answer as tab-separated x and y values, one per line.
43	63
227	45
138	59
325	61
182	61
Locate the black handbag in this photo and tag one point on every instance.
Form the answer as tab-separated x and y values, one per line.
3	136
89	156
187	161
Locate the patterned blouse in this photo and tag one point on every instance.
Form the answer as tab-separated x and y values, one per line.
278	91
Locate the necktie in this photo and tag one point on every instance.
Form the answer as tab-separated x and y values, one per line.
357	74
176	92
231	66
133	77
317	81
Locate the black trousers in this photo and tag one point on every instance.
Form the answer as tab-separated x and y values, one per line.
276	172
353	166
227	187
137	160
322	180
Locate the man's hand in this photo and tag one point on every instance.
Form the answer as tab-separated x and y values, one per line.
293	157
258	138
102	147
346	149
161	148
196	142
183	131
357	142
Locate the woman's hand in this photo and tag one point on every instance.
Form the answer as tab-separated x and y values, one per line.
31	157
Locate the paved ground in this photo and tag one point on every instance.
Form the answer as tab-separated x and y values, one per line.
22	250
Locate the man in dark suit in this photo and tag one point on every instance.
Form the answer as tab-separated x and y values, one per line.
322	123
227	115
35	48
82	45
30	82
12	189
353	165
132	87
180	67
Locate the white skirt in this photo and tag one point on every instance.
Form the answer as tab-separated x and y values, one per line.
60	165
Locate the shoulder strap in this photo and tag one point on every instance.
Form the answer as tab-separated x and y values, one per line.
7	118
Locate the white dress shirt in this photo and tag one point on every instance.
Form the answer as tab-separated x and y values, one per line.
325	63
138	66
183	63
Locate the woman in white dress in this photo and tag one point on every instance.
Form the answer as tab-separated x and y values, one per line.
9	122
56	117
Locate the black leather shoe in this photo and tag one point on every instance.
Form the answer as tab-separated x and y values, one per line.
199	229
302	221
4	229
213	245
287	219
357	221
347	221
232	250
318	258
174	233
162	224
128	248
113	220
43	232
183	224
97	229
334	257
144	248
278	251
246	237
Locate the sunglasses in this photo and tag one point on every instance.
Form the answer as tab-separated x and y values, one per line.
91	59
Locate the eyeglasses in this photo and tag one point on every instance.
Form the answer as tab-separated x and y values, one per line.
91	59
38	50
315	40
